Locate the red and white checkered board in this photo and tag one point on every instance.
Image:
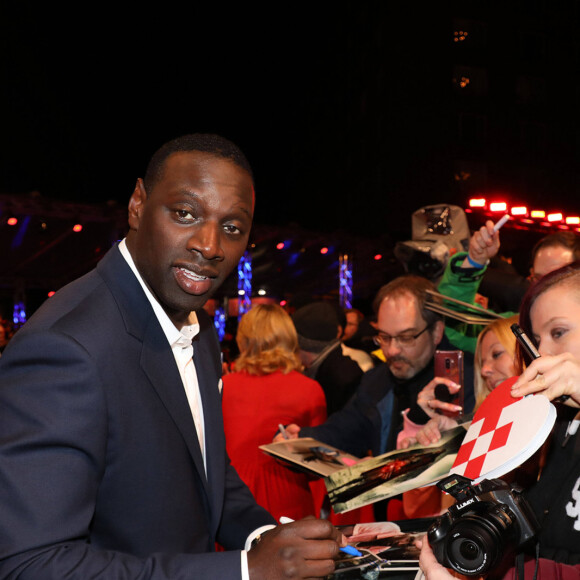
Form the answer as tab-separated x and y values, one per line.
504	433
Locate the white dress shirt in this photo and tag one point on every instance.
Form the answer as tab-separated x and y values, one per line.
182	349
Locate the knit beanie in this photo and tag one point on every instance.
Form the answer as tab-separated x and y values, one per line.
316	325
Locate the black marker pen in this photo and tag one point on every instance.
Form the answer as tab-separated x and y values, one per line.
531	349
525	341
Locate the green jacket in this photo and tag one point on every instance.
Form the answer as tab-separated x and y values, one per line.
462	284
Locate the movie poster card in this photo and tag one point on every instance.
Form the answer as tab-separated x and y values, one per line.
393	473
309	455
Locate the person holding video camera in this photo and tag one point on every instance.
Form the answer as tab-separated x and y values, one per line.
467	273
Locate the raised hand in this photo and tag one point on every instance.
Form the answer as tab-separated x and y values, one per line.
483	245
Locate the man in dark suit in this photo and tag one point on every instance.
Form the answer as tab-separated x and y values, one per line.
112	451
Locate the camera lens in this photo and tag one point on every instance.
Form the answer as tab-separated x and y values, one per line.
469	550
474	546
468	554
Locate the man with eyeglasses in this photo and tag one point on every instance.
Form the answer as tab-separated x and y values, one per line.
401	388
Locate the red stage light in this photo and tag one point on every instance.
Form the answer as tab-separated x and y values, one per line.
477	202
573	220
12	221
519	210
77	228
555	217
283	302
538	213
51	293
324	250
378	257
280	246
498	206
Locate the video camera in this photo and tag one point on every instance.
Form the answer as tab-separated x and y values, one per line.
488	520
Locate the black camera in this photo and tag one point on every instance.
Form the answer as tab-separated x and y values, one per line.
487	521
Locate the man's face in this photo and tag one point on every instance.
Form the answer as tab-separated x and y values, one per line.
190	231
400	315
549	259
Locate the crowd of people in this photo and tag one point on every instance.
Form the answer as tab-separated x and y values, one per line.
129	449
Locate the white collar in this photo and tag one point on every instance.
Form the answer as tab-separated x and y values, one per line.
173	334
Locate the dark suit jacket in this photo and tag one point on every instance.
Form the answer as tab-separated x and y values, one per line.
100	469
339	376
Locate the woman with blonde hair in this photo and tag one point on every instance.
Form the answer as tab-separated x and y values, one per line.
495	357
267	389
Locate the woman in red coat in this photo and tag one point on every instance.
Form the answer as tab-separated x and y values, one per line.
265	390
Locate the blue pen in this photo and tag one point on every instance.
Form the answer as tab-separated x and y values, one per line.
346	549
350	551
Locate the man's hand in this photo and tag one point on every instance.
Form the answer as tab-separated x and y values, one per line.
292	431
427	401
483	245
303	549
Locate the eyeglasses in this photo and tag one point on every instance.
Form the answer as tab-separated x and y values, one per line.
384	339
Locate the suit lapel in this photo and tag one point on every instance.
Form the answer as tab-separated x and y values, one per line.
157	360
208	377
159	365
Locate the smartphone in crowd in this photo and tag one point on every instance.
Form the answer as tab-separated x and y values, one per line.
449	365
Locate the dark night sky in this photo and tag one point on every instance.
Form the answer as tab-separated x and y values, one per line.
87	95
